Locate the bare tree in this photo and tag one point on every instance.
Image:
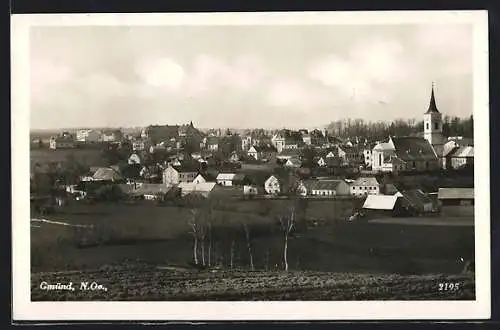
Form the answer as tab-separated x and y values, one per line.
246	229
231	254
287	226
195	232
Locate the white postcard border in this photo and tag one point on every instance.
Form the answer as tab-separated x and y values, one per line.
24	309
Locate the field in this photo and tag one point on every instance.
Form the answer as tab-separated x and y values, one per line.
332	259
89	157
155	283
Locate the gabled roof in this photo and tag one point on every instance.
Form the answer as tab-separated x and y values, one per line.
289	153
106	174
416	197
202	187
410	148
365	181
294	161
264	148
322	184
380	202
462	152
456	193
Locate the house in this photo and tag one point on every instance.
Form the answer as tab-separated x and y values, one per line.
88	136
460	157
456	196
175	175
277	184
111	136
418	201
327	188
235	157
108	174
204	188
150	191
250	190
351	154
199	179
230	179
293	163
365	186
142	144
287	154
262	152
134	159
404	154
286	140
321	162
61	142
212	143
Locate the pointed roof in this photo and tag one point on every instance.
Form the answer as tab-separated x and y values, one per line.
432	104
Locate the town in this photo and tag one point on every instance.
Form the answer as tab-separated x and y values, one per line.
165	161
392	198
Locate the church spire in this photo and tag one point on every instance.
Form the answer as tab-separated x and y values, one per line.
432	103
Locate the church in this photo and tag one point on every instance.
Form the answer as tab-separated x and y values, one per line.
412	153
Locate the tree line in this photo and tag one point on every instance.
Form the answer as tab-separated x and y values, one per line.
348	128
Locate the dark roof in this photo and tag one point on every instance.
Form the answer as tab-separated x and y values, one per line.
456	193
413	148
322	184
265	148
162	133
416	197
432	104
212	140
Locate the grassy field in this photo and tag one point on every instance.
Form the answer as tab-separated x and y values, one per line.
89	157
160	234
147	283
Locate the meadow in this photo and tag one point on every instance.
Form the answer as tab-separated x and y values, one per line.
153	234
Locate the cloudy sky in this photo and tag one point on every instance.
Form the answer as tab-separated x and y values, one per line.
246	76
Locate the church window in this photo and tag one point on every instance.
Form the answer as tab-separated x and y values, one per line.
380	159
426	125
436	125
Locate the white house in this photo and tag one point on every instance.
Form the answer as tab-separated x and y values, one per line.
365	186
261	152
249	190
199	179
321	162
134	159
327	188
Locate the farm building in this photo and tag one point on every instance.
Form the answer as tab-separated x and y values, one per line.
456	196
365	186
62	142
384	205
287	154
327	188
107	174
418	201
203	189
230	179
152	191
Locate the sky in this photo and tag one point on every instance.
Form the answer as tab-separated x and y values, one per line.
246	76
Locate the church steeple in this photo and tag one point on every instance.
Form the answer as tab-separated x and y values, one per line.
432	104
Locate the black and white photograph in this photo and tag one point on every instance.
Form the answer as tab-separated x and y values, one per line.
193	160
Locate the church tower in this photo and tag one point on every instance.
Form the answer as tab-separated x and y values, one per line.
433	125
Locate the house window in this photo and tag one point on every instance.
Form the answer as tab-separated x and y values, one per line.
414	164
